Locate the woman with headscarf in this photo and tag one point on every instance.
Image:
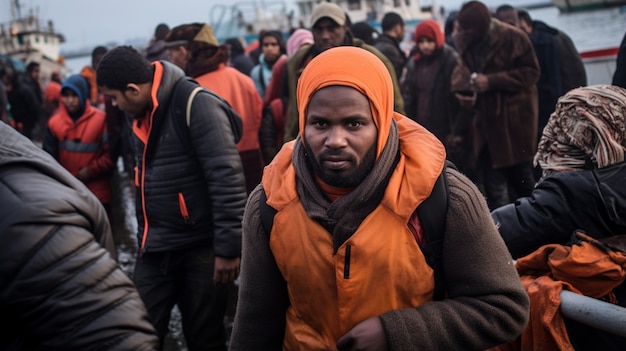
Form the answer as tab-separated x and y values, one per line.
581	153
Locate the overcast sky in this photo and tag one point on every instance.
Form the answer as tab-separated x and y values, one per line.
87	23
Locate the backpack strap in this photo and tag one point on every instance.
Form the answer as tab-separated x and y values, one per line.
267	214
432	214
182	96
261	77
193	93
186	90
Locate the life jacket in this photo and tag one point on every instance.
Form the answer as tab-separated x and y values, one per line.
378	269
589	268
84	142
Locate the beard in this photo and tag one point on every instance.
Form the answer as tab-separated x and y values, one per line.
342	178
271	59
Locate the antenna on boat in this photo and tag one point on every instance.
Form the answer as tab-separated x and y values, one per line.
15	9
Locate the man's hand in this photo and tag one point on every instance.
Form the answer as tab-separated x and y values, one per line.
226	270
479	83
84	174
366	336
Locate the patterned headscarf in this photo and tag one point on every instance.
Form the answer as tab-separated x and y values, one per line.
586	129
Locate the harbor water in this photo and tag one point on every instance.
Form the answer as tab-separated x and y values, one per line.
590	30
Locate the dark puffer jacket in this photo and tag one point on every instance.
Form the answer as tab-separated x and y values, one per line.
190	181
59	288
593	201
390	47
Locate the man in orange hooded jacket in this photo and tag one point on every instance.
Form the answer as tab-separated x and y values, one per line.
342	266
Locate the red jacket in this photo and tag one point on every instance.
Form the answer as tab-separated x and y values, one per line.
84	143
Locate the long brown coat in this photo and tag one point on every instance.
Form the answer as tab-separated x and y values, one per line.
507	112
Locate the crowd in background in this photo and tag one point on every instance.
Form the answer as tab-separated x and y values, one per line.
497	89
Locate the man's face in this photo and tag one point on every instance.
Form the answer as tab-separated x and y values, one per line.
427	46
70	100
340	135
271	49
399	31
526	27
469	35
328	34
134	102
34	74
178	55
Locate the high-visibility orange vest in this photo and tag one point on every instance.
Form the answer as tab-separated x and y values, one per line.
84	142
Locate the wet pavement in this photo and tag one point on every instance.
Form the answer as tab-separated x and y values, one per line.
124	225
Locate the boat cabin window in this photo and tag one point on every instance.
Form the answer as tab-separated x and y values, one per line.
354	5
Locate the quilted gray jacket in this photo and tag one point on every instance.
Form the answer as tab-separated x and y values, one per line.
60	286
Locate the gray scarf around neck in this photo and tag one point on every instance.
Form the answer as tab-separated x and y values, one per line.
342	217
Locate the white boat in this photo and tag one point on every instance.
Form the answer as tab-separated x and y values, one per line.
596	33
245	19
583	5
27	38
600	65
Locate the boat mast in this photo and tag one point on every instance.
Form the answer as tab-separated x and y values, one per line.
15	9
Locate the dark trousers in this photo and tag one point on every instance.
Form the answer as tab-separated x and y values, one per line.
505	185
184	278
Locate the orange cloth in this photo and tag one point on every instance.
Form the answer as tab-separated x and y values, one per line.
83	143
587	268
239	91
52	93
251	47
90	74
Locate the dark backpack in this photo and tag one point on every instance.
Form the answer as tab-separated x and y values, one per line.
432	215
185	90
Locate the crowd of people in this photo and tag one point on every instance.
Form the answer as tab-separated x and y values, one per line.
359	196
